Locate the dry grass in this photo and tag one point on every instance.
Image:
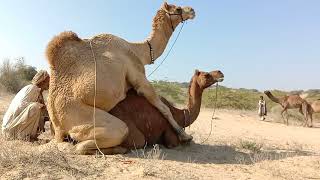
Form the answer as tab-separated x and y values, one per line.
240	147
20	160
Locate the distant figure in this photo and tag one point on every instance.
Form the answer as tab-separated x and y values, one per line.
262	108
24	118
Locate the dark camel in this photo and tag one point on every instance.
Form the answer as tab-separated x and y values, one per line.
148	126
292	102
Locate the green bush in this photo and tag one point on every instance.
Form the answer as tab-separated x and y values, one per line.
14	76
228	98
171	91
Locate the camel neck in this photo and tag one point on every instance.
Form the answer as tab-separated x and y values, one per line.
194	100
273	98
158	39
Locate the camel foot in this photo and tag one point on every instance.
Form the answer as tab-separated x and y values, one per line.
184	137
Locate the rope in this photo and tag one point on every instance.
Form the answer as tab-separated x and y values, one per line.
168	51
94	99
213	114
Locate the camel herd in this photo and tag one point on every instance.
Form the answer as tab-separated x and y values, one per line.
100	97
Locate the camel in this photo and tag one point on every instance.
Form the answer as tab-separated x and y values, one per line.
292	102
315	108
90	76
148	126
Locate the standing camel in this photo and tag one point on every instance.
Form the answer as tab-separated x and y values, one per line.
98	72
315	108
291	102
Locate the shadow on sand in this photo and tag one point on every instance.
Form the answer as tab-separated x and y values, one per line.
216	154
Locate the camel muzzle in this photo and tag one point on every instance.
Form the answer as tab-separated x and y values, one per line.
220	79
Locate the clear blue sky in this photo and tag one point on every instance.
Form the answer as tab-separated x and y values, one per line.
273	44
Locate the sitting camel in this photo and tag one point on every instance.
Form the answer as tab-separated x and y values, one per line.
98	72
292	102
148	126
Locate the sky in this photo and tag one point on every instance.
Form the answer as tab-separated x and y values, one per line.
272	44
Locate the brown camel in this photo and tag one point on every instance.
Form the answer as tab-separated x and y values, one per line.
148	126
292	102
99	72
315	108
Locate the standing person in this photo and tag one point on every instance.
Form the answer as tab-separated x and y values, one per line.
262	108
24	118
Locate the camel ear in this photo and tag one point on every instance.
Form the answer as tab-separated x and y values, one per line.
165	5
196	72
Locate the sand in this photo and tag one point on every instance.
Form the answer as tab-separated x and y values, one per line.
239	147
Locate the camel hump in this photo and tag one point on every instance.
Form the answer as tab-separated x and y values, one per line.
304	96
57	43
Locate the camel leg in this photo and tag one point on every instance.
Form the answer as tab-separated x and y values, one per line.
311	119
285	118
108	132
143	87
171	140
89	148
310	114
305	118
135	139
305	113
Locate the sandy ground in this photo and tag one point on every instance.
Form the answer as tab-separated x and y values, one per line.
239	147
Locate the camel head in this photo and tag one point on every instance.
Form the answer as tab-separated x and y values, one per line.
177	14
206	79
267	92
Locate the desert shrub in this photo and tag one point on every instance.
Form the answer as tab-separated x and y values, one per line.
228	98
13	76
251	146
172	91
232	98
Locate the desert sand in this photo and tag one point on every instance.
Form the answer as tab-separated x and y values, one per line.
239	147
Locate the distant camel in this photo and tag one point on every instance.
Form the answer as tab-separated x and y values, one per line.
292	102
315	108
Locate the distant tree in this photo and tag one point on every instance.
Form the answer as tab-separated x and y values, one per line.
25	72
14	76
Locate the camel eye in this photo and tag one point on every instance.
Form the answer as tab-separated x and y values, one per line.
179	10
207	75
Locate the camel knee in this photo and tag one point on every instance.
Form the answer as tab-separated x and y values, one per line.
113	136
120	133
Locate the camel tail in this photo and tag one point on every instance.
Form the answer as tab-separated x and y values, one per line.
57	43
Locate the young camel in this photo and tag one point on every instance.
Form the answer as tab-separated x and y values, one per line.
292	102
112	65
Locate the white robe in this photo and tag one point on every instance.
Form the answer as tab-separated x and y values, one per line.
262	108
22	118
